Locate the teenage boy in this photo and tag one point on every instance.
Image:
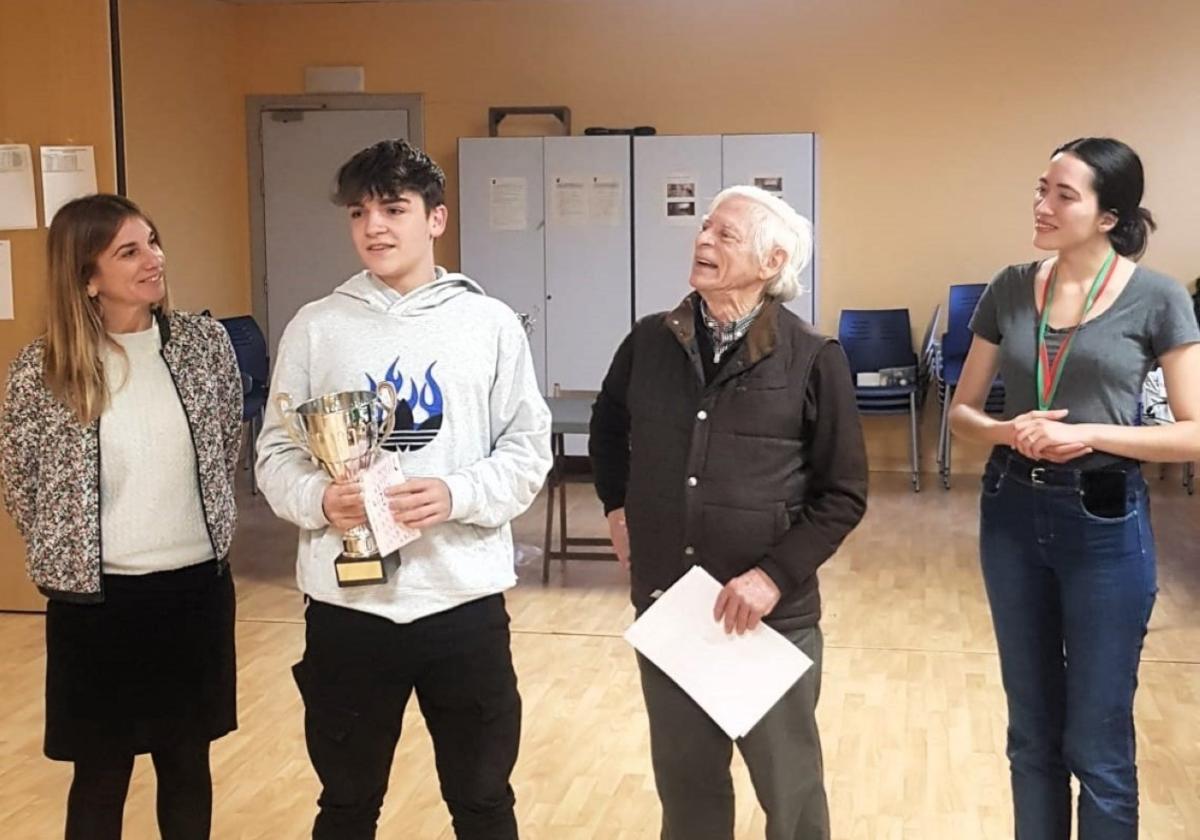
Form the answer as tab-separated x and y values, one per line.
473	433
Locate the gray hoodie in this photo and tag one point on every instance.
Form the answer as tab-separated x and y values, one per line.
470	413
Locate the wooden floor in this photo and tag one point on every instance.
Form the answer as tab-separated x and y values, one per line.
912	714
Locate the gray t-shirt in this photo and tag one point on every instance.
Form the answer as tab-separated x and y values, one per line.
1109	358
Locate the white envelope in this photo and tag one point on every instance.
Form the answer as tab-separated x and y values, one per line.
735	679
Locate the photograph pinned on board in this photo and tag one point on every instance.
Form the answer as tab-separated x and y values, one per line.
771	183
681	189
684	209
679	192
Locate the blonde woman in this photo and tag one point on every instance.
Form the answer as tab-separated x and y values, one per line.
119	438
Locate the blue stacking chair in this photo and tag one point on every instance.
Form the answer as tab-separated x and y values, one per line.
948	366
250	347
882	338
930	346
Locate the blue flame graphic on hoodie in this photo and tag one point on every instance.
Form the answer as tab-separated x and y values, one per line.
418	409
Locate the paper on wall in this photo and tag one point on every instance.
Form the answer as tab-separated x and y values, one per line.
604	200
6	281
508	204
18	203
68	172
569	202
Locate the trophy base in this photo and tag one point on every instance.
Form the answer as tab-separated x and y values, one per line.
364	571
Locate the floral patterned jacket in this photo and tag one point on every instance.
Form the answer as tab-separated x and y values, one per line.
50	463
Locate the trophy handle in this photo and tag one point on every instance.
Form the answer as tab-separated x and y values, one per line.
291	422
389	412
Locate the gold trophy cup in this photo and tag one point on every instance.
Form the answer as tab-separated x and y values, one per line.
343	432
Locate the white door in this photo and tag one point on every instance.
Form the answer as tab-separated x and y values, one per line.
308	248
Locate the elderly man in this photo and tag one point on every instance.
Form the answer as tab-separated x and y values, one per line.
726	435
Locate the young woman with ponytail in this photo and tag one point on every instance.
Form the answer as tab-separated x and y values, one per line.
1065	538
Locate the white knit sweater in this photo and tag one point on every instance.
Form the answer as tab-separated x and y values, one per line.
151	518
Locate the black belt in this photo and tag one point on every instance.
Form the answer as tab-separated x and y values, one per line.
1058	475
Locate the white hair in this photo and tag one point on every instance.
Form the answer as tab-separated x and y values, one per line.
775	224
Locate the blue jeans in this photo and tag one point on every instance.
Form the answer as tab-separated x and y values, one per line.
1071	593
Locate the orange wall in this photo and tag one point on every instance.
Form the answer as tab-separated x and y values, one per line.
185	145
933	125
55	89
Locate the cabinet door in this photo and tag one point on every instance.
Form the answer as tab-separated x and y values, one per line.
588	258
675	178
501	220
785	164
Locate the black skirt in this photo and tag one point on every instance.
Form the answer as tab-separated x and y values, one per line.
150	667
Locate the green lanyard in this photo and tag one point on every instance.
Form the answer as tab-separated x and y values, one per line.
1049	374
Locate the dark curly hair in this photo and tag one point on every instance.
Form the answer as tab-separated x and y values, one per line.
387	169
